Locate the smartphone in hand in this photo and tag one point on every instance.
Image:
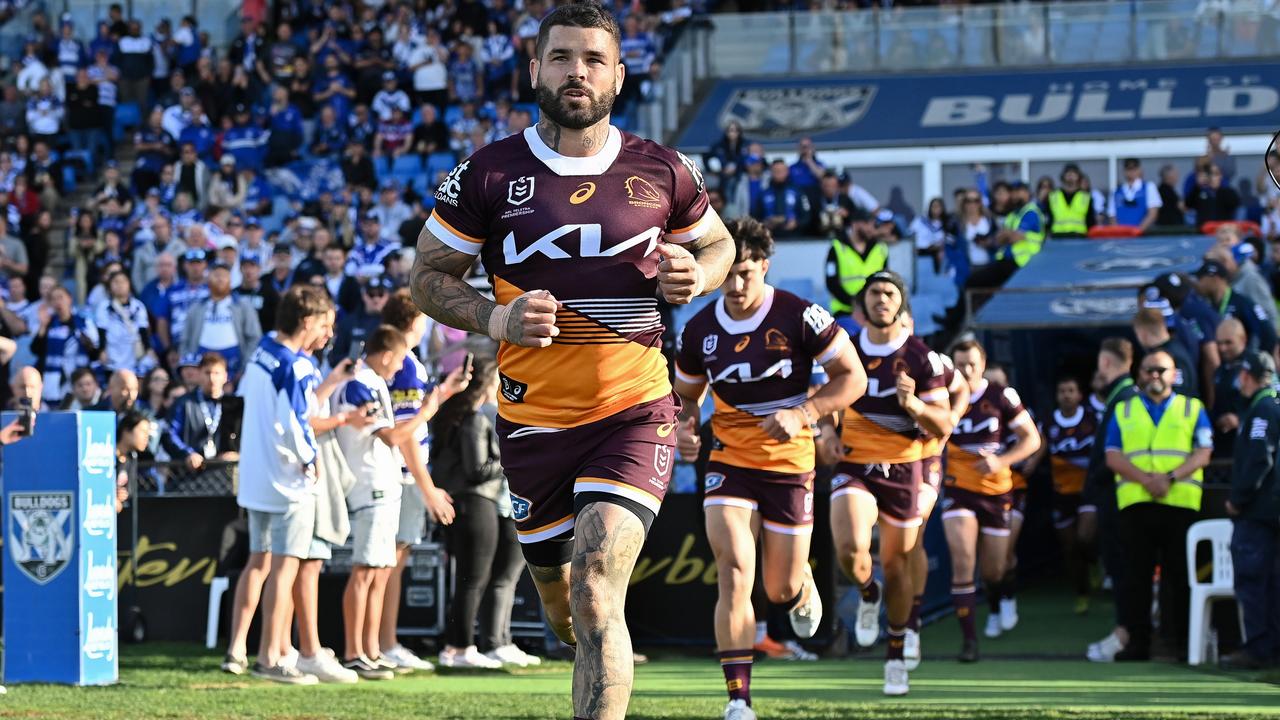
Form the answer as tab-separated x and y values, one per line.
356	352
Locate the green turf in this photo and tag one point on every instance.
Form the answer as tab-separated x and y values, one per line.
1034	672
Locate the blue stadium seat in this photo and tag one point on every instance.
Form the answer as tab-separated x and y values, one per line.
451	115
439	161
406	165
127	116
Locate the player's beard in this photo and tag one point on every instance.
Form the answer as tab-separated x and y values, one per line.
883	325
552	103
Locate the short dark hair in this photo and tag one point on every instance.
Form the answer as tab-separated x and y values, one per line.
401	311
1118	348
970	344
81	372
212	359
299	303
384	339
128	421
751	239
1149	319
1070	379
580	15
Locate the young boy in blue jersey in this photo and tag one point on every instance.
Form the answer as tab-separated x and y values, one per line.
374	499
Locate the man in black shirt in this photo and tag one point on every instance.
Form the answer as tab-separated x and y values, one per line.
256	292
1170	213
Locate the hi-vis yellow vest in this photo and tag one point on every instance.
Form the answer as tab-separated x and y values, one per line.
853	270
1159	449
1031	242
1069	218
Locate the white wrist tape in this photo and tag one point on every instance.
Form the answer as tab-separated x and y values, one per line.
498	323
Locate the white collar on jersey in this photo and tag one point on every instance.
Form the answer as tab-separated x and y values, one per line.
877	350
976	395
1069	422
740	327
564	165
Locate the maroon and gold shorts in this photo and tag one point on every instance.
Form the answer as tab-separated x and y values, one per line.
1069	506
785	502
1018	501
624	459
992	511
895	487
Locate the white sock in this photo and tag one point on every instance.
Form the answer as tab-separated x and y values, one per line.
761	631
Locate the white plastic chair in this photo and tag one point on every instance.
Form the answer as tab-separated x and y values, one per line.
216	589
1220	585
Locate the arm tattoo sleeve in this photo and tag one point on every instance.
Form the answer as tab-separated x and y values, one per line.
439	291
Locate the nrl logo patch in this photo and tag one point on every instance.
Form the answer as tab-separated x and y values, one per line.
520	190
40	533
794	112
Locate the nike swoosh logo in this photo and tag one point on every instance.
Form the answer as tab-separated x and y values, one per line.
665	430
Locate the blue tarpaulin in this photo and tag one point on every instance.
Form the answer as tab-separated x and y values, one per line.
1087	283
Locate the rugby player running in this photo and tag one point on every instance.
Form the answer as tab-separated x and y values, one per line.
567	218
879	477
756	347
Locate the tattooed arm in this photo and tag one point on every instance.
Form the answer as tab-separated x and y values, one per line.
439	291
698	267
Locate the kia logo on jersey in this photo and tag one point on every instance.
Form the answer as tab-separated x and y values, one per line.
520	190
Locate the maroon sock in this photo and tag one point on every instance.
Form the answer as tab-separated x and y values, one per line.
993	598
870	590
965	599
897	638
736	665
913	621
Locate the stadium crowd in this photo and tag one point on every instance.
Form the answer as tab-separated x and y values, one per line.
289	178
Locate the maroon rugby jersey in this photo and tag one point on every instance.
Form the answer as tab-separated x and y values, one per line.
1070	442
876	428
756	367
993	408
586	230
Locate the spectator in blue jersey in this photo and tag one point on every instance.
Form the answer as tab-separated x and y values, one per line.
499	57
639	50
285	129
125	327
1191	322
333	88
727	159
371	249
329	136
64	340
413	393
246	141
165	277
466	77
222	323
749	189
1137	202
195	419
783	208
105	76
806	171
389	98
199	133
1214	285
357	326
176	303
71	52
1153	335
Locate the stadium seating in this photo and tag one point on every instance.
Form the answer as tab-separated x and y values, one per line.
1221	583
127	116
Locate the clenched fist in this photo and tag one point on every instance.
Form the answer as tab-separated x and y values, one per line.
688	442
680	277
528	321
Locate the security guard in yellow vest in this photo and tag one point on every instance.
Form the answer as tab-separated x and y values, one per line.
1157	444
1023	233
855	255
1071	211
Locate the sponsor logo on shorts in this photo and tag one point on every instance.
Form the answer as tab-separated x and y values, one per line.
840	479
665	429
662	459
713	481
808	503
520	508
513	390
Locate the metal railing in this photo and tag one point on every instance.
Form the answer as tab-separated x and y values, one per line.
686	63
989	36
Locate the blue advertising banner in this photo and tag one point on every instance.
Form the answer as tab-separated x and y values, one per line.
60	563
1059	104
1069	282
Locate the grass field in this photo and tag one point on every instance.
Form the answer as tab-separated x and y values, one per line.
1031	673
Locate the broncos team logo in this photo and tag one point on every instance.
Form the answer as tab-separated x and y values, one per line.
713	481
642	193
520	508
797	111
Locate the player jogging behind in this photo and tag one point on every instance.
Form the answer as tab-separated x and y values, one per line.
878	480
756	347
979	487
581	227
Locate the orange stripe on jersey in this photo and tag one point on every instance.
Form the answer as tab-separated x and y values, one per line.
962	472
1018	479
455	230
746	445
1068	478
580	381
931	448
870	443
